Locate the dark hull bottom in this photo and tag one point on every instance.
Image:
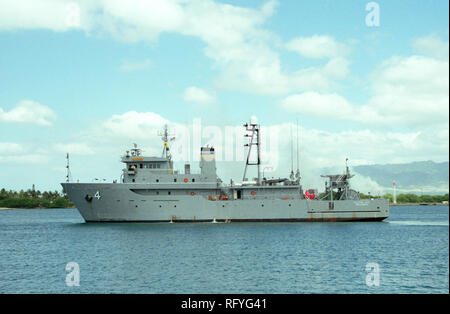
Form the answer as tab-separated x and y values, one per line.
253	220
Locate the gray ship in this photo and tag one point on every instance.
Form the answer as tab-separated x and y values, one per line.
151	191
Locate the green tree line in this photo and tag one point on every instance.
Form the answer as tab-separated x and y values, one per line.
401	198
34	199
411	198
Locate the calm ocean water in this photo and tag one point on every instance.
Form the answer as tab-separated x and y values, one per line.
411	249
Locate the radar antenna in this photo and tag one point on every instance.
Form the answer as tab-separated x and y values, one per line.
166	150
165	137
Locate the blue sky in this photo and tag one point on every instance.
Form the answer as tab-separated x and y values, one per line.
72	70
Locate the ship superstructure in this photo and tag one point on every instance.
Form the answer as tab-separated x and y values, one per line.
150	190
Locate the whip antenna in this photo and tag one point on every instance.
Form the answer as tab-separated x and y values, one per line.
298	156
292	153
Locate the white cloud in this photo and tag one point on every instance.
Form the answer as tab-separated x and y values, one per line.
432	46
198	95
241	49
39	14
136	20
363	146
260	72
412	90
25	159
28	111
324	105
10	148
132	125
116	134
406	91
15	153
129	66
336	68
318	47
366	185
74	148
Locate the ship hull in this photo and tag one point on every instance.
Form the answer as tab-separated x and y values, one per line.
104	202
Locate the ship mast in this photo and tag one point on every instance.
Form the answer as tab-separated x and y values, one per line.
254	140
68	174
166	151
165	137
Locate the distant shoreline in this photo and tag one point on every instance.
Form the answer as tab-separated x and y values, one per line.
418	204
8	208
